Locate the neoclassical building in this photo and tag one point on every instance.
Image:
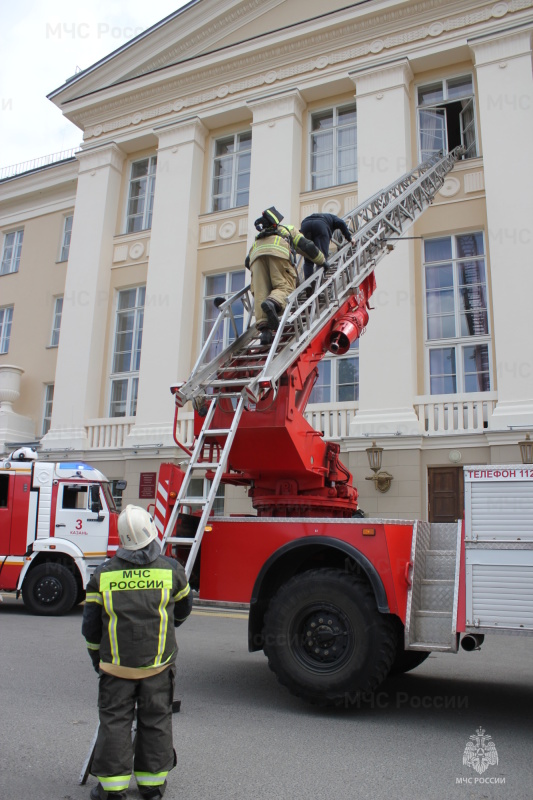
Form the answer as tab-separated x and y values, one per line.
111	258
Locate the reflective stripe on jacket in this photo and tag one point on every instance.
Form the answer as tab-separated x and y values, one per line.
279	244
129	612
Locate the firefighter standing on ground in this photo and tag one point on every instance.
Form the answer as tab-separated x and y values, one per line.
319	228
272	263
133	603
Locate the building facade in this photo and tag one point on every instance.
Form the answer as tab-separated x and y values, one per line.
111	259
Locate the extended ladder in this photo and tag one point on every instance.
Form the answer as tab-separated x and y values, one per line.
383	218
242	371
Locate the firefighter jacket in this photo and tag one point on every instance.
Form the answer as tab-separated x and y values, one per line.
133	603
284	241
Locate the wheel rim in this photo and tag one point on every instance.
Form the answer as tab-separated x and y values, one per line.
322	638
48	590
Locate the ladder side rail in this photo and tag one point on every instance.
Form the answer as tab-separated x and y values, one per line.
213	488
390	221
243	294
193	461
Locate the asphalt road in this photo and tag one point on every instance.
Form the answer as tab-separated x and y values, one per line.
241	736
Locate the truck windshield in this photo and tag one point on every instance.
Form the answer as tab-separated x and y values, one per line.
108	496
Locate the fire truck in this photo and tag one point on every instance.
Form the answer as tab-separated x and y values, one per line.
337	601
58	522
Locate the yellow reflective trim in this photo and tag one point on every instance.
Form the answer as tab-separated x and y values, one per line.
112	627
150	778
116	783
163	626
94	597
146	578
182	594
91	646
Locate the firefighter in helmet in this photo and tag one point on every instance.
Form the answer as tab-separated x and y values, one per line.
272	260
133	603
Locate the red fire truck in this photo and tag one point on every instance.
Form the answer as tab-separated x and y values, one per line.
337	601
58	522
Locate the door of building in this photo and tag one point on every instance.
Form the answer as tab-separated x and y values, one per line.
445	493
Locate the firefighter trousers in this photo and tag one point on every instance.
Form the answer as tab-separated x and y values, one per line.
318	232
152	756
272	277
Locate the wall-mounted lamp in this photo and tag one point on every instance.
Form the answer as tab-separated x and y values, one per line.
526	450
382	480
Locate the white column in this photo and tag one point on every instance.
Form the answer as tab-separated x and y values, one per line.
387	358
168	337
86	299
505	100
276	166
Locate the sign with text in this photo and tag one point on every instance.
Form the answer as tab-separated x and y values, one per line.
147	485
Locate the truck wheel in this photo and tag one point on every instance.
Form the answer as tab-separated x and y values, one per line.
407	660
49	589
326	640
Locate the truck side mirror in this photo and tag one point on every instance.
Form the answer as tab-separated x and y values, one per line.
94	497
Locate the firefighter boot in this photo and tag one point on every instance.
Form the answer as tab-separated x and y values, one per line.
154	792
266	336
99	793
271	310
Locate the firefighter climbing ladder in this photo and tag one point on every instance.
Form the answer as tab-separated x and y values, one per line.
245	370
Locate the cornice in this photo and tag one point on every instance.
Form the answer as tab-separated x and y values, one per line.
267	66
223	25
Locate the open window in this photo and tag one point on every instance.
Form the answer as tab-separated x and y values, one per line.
446	117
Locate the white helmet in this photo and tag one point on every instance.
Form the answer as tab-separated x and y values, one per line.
136	528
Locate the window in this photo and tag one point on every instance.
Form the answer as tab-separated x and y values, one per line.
338	378
199	487
4	490
56	324
457	320
117	488
11	252
48	403
222	285
6	320
75	497
141	195
67	233
446	117
334	147
231	173
127	352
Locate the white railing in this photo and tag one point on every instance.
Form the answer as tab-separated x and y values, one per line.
108	434
460	413
36	163
185	428
333	419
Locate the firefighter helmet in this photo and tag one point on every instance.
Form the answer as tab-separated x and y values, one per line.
24	454
136	528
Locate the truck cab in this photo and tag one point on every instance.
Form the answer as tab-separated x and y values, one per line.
58	522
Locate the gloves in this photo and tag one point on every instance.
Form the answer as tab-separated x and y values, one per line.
95	658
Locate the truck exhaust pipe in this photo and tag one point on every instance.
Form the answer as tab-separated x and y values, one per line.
472	641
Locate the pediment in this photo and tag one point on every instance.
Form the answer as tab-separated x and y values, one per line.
200	28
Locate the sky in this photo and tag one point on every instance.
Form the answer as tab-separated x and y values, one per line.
44	43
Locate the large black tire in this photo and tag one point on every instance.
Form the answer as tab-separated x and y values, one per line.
49	590
407	660
326	640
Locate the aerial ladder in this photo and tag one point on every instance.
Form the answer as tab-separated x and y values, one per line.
249	399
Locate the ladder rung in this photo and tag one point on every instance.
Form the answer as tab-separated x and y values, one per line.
179	540
193	501
229	382
205	464
216	432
